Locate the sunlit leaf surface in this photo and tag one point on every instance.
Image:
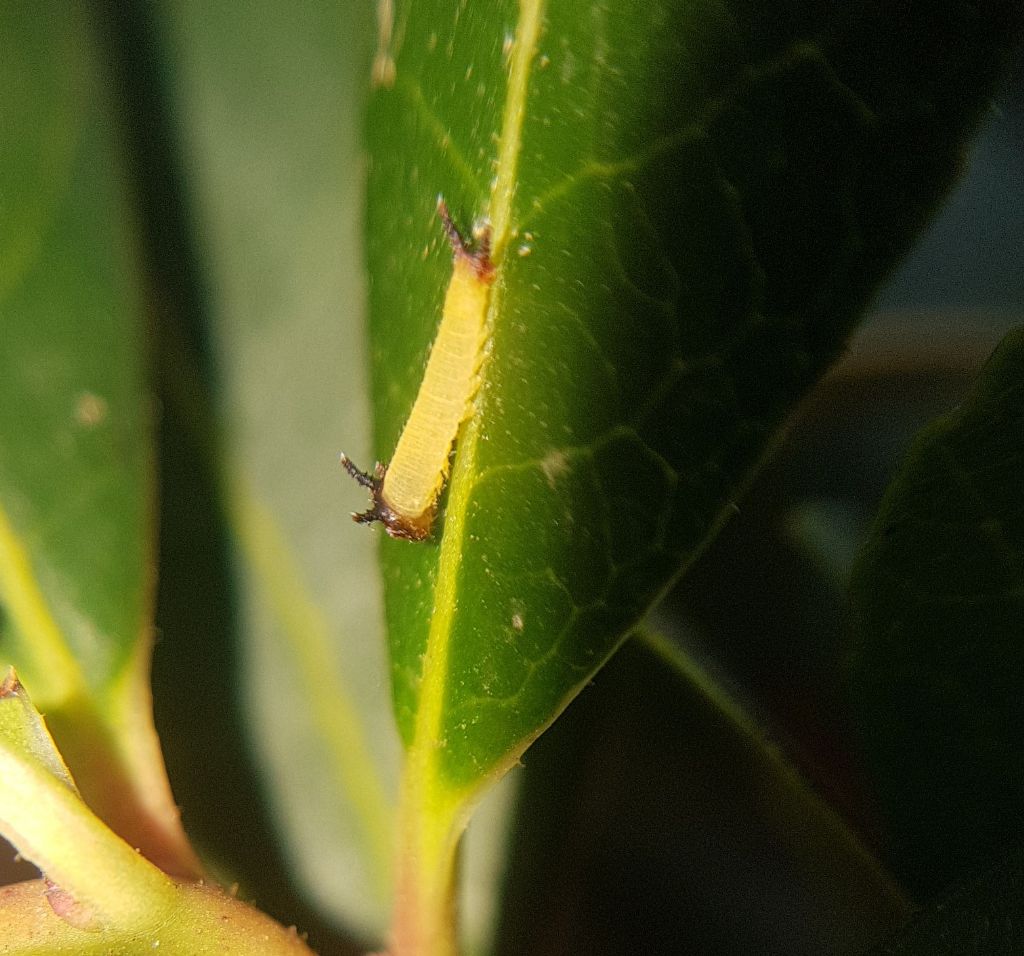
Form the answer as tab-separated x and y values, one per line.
691	203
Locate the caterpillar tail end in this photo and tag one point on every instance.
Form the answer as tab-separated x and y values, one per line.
396	525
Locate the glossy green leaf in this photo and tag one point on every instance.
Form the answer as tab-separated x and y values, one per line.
691	202
939	588
76	475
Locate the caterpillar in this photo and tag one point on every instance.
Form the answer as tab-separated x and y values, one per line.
404	493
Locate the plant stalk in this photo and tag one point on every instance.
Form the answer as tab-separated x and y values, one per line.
431	821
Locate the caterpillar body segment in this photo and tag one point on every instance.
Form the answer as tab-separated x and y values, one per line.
405	492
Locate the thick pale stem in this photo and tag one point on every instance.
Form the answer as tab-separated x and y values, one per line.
431	821
42	814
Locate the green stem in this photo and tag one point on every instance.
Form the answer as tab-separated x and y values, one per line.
431	821
43	815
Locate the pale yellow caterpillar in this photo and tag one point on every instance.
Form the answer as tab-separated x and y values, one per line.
404	493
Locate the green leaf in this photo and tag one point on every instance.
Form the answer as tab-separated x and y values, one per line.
939	590
274	196
76	471
76	462
690	204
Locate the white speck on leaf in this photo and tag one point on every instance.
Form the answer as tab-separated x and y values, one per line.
90	410
554	465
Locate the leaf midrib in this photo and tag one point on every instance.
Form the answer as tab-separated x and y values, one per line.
424	749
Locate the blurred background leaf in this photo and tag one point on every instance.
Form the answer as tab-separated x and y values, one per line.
276	230
655	810
982	917
76	452
936	674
